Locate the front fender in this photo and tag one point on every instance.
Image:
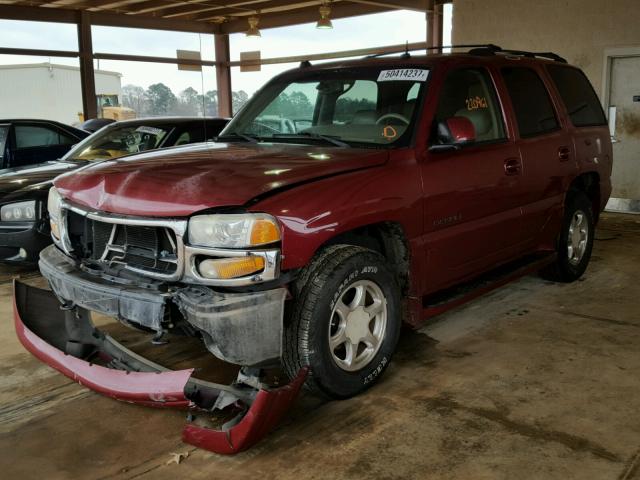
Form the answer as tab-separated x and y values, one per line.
314	213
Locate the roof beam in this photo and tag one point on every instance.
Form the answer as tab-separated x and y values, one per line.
64	15
214	10
415	5
262	6
304	15
37	14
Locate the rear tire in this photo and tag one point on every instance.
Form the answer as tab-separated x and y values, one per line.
344	322
575	242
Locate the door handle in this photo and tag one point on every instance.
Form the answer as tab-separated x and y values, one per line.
564	153
512	166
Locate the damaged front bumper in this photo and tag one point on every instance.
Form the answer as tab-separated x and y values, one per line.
67	341
240	328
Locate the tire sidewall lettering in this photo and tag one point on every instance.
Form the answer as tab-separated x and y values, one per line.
366	270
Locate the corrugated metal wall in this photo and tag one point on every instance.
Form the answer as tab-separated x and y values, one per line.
50	92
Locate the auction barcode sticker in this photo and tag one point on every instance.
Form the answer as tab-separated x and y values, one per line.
150	130
411	74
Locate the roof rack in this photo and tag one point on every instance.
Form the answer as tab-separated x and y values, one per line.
478	49
415	49
493	49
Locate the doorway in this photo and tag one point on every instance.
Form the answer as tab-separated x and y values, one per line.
622	99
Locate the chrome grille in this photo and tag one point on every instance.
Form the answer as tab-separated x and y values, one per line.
150	248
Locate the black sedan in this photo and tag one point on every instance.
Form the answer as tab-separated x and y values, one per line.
26	142
24	223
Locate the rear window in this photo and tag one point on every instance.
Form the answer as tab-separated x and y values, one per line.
578	96
531	102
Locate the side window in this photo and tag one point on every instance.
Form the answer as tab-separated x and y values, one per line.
184	139
531	103
469	93
38	136
412	94
578	96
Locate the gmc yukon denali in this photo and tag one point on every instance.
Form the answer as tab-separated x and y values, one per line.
342	201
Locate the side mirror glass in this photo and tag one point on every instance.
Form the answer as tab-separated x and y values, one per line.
453	133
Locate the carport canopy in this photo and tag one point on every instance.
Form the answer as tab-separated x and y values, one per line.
219	18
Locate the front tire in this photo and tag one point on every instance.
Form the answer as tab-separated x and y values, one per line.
345	321
575	242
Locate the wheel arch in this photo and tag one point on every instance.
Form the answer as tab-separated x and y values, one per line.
388	239
589	184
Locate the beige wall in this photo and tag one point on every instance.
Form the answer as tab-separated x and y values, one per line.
578	30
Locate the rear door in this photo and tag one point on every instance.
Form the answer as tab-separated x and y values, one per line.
546	149
587	122
39	142
472	215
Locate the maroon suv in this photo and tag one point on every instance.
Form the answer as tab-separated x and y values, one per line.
343	200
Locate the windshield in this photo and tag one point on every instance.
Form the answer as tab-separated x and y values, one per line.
116	141
364	107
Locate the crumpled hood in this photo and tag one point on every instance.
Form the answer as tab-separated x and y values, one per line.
183	180
31	182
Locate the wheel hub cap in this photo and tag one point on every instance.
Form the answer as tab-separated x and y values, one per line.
357	328
578	237
358	325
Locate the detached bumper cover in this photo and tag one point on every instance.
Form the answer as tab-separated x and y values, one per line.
266	412
68	342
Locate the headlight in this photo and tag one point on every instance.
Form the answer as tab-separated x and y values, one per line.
54	203
233	231
18	212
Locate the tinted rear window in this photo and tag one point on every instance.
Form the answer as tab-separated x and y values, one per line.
578	96
531	102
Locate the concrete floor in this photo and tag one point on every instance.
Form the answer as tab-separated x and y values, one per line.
536	380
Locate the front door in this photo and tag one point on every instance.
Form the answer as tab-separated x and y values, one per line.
472	218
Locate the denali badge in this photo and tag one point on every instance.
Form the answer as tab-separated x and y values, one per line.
447	220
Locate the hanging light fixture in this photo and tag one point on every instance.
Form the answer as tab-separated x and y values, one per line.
253	30
324	21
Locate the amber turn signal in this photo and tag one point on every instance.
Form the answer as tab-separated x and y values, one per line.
54	229
227	268
264	232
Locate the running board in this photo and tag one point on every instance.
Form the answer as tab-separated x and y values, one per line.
439	302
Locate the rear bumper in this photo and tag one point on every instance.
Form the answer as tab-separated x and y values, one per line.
68	342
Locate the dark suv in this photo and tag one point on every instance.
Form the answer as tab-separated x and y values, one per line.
388	190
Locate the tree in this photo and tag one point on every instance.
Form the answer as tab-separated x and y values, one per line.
211	103
134	97
300	106
161	99
190	102
238	99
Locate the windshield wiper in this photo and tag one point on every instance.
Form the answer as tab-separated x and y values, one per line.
316	136
237	135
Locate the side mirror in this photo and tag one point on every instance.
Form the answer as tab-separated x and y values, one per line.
454	133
